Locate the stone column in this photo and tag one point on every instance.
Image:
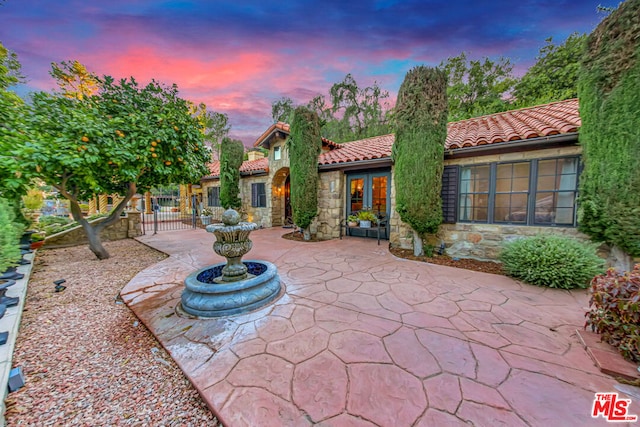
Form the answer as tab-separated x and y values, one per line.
92	206
147	203
102	203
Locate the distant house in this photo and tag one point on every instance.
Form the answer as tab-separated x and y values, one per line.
507	174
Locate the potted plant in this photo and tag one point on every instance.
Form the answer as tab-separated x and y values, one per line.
366	217
205	216
37	240
352	221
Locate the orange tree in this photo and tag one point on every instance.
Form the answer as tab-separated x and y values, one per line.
123	139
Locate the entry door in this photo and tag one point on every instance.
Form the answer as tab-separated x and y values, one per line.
369	190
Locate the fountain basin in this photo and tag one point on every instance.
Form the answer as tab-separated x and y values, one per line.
205	295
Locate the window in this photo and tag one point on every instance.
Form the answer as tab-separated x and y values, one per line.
213	196
536	192
258	195
556	191
474	193
511	192
277	152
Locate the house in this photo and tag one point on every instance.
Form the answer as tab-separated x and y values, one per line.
506	175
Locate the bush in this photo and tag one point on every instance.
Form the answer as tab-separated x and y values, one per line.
553	261
615	313
10	232
53	224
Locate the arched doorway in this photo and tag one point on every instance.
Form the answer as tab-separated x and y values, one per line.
281	198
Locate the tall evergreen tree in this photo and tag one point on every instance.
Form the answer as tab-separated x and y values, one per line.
609	91
231	155
418	151
304	146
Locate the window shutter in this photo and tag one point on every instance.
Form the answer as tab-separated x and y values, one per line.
254	195
449	194
262	195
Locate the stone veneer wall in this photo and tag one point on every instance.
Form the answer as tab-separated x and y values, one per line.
481	241
331	197
128	226
261	216
484	241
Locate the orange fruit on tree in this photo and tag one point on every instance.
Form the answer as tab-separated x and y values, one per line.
84	147
175	128
168	163
154	143
152	149
85	138
154	155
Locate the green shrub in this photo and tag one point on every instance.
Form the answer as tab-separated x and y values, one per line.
615	312
553	261
51	224
52	219
10	232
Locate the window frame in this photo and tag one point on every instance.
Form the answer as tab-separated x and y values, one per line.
532	193
258	198
216	197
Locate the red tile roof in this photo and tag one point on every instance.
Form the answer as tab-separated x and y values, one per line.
376	147
555	118
248	167
285	128
542	120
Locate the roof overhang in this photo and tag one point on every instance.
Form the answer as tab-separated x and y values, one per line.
359	164
538	143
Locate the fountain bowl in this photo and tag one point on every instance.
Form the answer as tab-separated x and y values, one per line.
205	295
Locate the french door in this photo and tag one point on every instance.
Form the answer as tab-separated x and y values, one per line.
368	191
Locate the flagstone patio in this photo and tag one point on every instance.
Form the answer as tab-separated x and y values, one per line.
361	338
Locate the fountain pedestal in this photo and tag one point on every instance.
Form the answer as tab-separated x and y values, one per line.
231	287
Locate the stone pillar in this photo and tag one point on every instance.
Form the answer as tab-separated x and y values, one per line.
102	203
147	203
184	196
134	228
92	206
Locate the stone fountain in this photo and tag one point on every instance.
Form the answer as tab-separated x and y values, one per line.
235	286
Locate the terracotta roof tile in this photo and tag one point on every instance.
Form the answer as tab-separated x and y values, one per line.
376	147
539	121
285	128
247	167
542	120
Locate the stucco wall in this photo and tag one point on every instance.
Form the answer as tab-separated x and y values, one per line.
128	226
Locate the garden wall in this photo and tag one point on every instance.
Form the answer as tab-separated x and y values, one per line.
128	226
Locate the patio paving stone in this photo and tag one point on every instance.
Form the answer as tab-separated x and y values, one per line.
361	338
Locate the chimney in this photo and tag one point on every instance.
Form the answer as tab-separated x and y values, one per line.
255	155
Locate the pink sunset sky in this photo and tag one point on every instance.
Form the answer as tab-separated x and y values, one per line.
239	56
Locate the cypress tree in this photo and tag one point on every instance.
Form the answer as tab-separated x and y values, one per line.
231	155
304	146
418	151
609	92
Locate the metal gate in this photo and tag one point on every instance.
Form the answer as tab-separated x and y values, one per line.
169	210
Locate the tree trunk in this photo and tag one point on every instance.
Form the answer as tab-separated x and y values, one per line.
93	232
418	249
306	234
620	260
95	242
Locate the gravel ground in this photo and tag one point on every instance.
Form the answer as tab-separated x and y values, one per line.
87	360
